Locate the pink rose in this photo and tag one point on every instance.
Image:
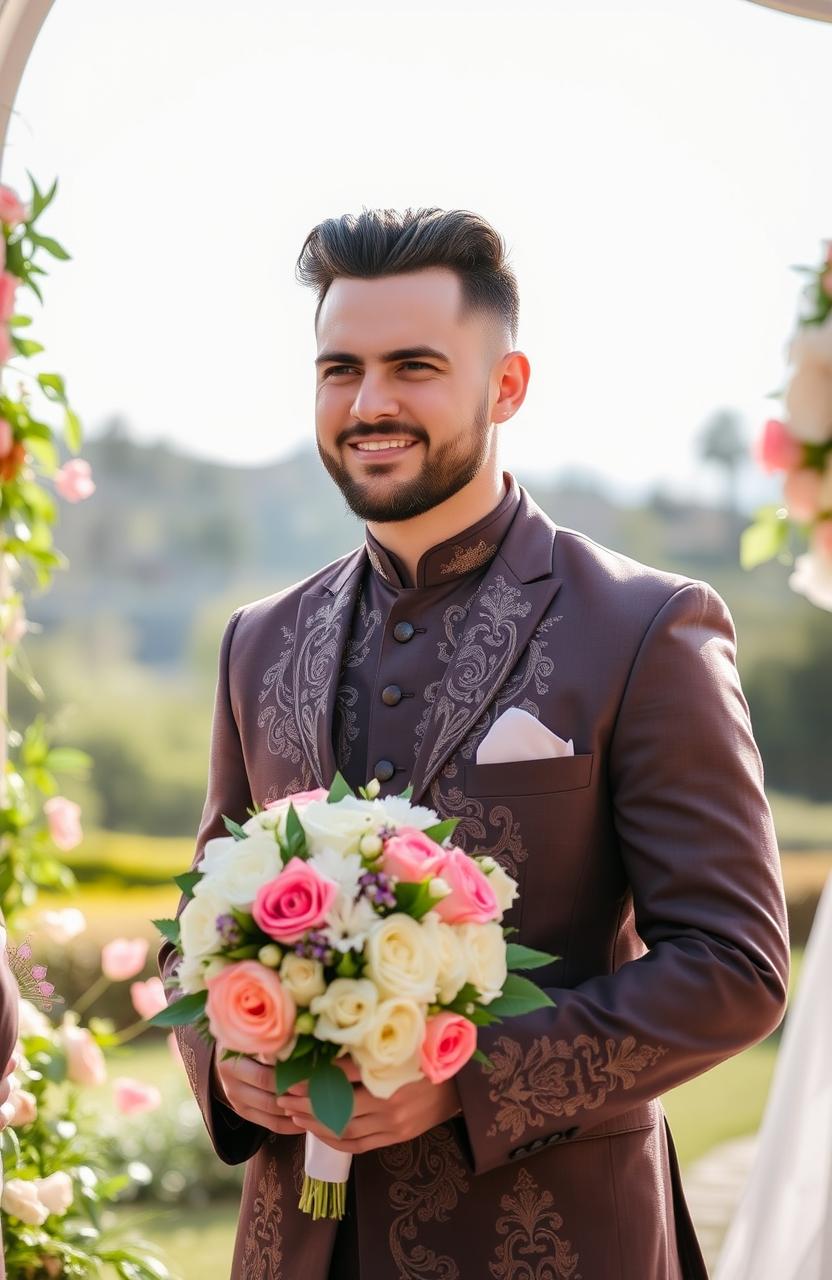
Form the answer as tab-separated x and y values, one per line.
821	539
84	1059
299	799
6	349
6	437
24	1106
63	819
249	1009
123	958
133	1095
472	899
412	856
148	997
296	900
802	493
74	480
12	209
777	449
449	1042
8	286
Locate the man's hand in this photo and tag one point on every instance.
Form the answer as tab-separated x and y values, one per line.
376	1122
6	1109
247	1087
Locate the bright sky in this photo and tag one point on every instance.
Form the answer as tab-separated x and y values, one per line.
654	167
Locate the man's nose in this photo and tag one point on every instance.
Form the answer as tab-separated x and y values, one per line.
374	400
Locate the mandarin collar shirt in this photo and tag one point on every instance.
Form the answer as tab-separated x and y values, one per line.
398	647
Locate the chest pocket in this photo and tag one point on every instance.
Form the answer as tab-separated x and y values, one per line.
544	776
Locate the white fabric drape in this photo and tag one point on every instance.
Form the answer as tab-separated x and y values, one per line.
782	1229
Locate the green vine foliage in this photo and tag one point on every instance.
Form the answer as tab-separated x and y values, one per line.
61	1136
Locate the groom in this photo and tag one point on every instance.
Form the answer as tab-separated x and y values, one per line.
646	859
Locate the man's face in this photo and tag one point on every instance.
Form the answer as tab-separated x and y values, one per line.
374	386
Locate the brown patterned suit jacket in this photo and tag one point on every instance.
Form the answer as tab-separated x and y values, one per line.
647	862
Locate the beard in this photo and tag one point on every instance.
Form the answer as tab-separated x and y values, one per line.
452	466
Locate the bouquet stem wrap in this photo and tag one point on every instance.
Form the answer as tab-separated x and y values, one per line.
326	1171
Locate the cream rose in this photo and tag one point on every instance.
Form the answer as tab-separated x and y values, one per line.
808	398
337	826
453	964
345	1010
401	956
237	879
303	976
505	886
20	1198
485	949
390	1054
198	921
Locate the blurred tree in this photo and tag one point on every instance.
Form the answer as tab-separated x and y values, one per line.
723	442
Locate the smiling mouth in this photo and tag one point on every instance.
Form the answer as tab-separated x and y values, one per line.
379	450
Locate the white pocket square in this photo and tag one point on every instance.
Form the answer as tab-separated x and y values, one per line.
517	735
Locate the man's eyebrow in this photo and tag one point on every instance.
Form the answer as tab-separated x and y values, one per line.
402	353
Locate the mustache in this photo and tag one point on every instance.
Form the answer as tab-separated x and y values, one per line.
377	433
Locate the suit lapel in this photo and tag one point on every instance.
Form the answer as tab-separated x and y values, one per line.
512	598
321	633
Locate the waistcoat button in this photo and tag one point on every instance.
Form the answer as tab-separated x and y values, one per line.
403	631
384	770
391	694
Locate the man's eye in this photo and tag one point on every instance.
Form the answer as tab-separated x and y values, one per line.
414	364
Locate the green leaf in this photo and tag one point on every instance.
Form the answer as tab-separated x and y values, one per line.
234	828
339	788
763	539
26	346
440	830
407	793
44	451
520	995
73	431
19	322
483	1058
169	929
331	1095
181	1013
519	957
295	834
187	881
247	951
69	760
53	386
50	245
290	1072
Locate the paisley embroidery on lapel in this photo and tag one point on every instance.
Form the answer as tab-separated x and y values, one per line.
188	1058
263	1255
376	563
429	1176
531	1226
464	559
278	718
559	1079
313	671
345	729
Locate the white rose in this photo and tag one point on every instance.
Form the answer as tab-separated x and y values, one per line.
302	976
390	1053
190	975
505	886
55	1192
812	578
256	861
198	934
485	950
402	956
337	826
216	853
453	964
20	1198
808	398
345	1010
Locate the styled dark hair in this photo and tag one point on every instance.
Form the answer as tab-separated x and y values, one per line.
383	242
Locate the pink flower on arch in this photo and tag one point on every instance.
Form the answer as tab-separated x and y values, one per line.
63	818
132	1096
12	208
123	958
74	480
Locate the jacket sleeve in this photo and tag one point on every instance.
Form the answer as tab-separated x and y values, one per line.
698	848
234	1139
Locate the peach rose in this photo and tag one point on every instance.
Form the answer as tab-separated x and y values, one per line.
472	899
296	900
12	208
63	819
123	958
132	1096
148	997
777	449
74	480
298	799
449	1042
84	1059
802	493
249	1009
412	856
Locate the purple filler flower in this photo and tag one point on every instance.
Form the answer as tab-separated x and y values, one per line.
229	930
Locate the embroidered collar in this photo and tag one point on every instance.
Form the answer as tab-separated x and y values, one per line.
454	557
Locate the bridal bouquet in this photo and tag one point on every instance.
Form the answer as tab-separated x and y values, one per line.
335	923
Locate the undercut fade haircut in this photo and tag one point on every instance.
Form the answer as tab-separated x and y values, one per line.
383	242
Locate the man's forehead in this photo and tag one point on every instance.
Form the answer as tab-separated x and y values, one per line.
408	304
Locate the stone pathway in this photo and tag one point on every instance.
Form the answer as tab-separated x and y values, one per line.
713	1186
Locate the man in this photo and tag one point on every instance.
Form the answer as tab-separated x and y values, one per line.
646	859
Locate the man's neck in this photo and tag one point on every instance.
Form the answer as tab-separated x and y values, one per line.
410	539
